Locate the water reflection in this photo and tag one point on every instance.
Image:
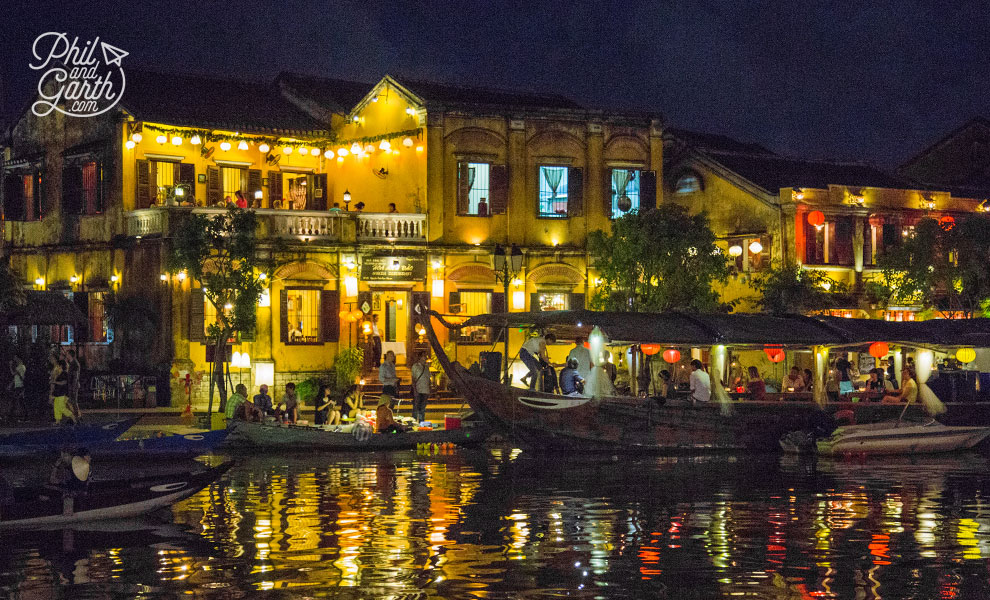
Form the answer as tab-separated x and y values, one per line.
500	524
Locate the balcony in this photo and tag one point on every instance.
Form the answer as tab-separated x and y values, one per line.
301	225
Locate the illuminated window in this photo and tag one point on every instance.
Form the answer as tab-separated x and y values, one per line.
553	301
165	177
553	192
233	180
688	183
475	303
473	180
625	191
302	315
209	316
98	329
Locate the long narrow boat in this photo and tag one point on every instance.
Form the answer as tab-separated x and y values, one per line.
891	438
58	436
153	448
305	437
547	421
43	507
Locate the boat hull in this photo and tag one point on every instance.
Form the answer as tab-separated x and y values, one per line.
303	437
888	438
56	436
168	447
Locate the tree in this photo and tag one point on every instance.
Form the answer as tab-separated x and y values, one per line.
788	288
220	253
657	260
11	287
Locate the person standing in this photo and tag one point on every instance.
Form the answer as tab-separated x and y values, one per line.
582	355
421	387
241	200
532	352
844	369
701	383
388	377
376	343
263	402
60	392
17	373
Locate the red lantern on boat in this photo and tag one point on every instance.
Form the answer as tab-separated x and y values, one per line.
775	355
879	350
947	222
650	349
816	218
672	355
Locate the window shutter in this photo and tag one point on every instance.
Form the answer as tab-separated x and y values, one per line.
187	175
39	210
81	300
329	319
575	192
647	190
98	203
498	189
283	307
575	302
867	243
498	302
891	235
534	302
463	192
13	198
843	241
72	189
214	187
607	194
274	188
454	302
320	192
253	185
196	319
143	178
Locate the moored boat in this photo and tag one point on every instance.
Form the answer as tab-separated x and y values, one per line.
172	446
307	437
18	443
889	438
44	507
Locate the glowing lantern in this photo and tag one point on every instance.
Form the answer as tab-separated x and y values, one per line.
343	314
263	147
672	355
756	247
328	154
947	222
876	220
407	142
735	250
287	150
357	313
177	140
775	355
965	355
355	148
816	218
650	349
314	151
225	146
161	139
242	145
879	350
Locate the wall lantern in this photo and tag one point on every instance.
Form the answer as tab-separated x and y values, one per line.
650	349
735	250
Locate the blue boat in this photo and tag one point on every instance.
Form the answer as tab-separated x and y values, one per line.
58	436
171	446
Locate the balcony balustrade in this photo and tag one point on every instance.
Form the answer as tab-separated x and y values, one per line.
391	227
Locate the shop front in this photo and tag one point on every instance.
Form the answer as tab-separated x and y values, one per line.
391	287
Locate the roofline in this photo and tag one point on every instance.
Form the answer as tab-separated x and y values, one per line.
932	147
735	178
373	93
250	129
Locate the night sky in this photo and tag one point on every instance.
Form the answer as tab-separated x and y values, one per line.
875	81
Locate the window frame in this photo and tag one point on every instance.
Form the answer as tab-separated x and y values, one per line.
461	339
488	190
539	191
613	193
318	290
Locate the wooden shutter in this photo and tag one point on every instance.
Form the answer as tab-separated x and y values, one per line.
891	235
463	192
283	317
37	196
867	243
143	179
329	319
647	190
498	189
607	194
454	302
843	241
98	203
196	318
274	189
320	192
534	302
575	192
253	185
13	198
81	300
498	302
187	176
575	302
72	190
214	187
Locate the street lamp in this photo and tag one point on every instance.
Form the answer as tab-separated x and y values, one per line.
506	266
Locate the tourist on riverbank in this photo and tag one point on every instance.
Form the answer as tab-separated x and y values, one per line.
288	409
326	412
263	402
700	383
350	404
388	377
235	400
421	387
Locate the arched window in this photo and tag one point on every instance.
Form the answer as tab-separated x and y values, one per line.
688	183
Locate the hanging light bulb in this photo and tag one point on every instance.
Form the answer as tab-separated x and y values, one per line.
756	247
328	153
176	140
303	149
137	137
242	146
385	145
287	150
407	142
263	147
419	148
735	250
195	141
355	148
161	139
225	146
369	148
315	151
129	144
342	152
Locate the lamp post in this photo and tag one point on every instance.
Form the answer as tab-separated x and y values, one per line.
506	266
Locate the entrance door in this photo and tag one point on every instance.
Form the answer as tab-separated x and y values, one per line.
392	308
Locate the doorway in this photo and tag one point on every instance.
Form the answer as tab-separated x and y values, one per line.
392	308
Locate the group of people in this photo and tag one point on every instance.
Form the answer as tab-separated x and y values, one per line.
63	387
587	371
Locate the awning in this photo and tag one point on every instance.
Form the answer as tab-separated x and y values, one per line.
744	329
45	308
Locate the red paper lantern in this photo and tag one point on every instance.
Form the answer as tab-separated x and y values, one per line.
775	355
587	345
879	349
816	218
947	222
672	355
876	220
650	349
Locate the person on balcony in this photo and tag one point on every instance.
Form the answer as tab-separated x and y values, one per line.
335	208
392	208
240	199
359	207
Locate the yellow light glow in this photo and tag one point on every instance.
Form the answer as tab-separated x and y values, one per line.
303	149
410	111
340	159
242	145
195	141
161	139
163	277
74	279
385	145
350	286
314	152
287	150
407	142
129	144
328	154
265	299
518	300
355	148
182	276
343	152
419	148
369	148
756	247
137	137
263	147
39	281
114	278
264	374
225	146
735	250
437	288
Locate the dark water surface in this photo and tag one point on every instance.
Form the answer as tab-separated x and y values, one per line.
499	524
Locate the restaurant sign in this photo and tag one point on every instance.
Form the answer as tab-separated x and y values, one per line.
393	268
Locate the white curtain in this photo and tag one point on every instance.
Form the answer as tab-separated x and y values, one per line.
923	367
718	386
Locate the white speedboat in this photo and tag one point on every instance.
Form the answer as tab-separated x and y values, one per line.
894	437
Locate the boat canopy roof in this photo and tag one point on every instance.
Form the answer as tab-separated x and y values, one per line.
743	329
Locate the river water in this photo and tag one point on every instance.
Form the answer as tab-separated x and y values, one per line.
498	523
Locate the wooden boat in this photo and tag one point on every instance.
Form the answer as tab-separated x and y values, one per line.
548	421
266	435
57	436
889	438
172	446
44	508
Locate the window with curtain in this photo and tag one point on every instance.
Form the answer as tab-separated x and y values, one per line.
479	202
233	180
625	191
303	315
298	190
553	300
475	303
553	192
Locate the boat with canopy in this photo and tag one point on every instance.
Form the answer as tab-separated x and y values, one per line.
728	421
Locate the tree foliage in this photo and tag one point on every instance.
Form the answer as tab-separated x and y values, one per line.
787	288
220	253
11	288
656	260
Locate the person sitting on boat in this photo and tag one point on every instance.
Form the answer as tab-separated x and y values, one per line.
700	382
263	402
288	408
326	411
571	382
385	420
532	352
71	471
756	387
794	382
235	401
582	355
909	388
350	403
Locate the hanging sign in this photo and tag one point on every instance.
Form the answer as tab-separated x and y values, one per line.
393	268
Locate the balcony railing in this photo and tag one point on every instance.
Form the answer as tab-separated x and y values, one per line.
391	227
